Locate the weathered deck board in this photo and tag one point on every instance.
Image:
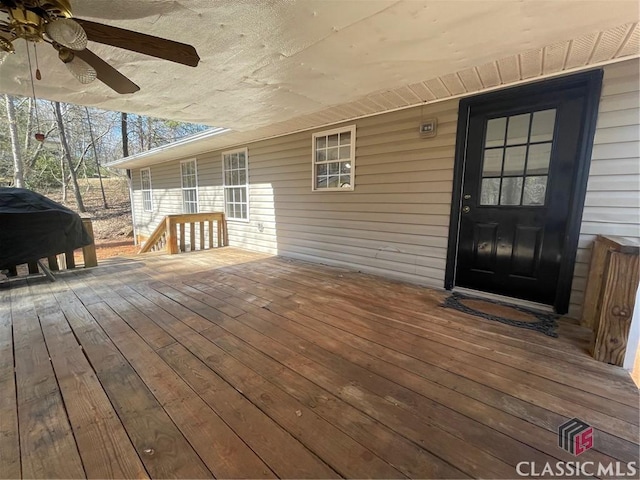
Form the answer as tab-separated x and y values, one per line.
397	316
223	452
92	417
159	443
9	434
47	445
339	341
264	436
410	392
234	364
529	385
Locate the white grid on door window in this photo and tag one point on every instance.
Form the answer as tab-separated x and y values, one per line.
189	176
235	168
145	188
334	159
516	159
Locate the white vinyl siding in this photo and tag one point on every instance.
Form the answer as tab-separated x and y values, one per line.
189	177
235	177
145	187
612	204
396	222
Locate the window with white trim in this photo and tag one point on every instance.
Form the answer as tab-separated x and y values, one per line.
334	153
189	176
235	180
145	187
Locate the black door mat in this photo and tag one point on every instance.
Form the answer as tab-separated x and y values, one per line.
506	313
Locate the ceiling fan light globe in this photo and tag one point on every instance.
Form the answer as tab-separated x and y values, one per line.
80	69
68	33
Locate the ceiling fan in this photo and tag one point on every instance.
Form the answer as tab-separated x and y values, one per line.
51	21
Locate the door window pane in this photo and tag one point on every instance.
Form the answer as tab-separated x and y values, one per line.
539	157
490	191
542	125
535	190
518	130
511	191
514	158
492	162
495	132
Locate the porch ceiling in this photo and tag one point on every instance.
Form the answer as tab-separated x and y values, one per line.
272	67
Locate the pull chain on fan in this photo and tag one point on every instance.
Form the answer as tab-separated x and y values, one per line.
51	21
38	136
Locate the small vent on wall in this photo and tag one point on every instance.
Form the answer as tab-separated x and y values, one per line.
428	128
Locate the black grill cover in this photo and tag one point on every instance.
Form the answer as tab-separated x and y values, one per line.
33	226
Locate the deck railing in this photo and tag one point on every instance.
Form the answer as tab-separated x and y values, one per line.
194	230
64	260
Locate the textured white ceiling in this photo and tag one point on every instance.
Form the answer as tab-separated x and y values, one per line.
266	62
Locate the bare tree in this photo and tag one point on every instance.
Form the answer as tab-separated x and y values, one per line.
18	167
95	154
67	154
124	127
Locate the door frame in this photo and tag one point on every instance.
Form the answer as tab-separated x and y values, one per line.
592	82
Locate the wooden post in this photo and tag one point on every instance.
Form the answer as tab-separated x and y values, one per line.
172	236
192	236
202	246
70	259
225	235
617	302
210	223
612	283
89	251
599	256
182	235
62	261
53	263
33	267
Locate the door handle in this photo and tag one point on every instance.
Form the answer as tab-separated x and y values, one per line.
467	196
466	209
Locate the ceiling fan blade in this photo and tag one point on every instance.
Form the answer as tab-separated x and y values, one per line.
107	74
140	42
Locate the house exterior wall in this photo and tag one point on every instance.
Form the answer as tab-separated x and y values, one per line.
395	222
612	203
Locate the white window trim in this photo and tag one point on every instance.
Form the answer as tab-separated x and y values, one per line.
225	186
182	187
352	129
150	189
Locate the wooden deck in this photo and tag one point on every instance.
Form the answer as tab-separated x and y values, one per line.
232	364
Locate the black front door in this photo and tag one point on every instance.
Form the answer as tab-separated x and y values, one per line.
519	183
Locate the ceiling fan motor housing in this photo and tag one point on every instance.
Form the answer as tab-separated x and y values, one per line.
47	9
27	18
26	24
